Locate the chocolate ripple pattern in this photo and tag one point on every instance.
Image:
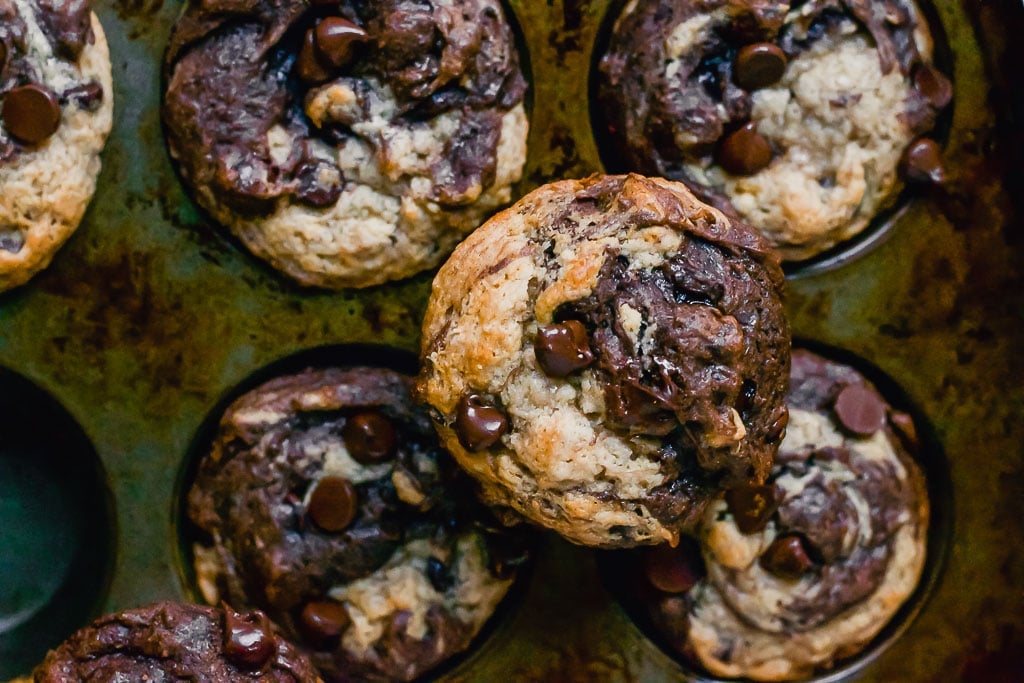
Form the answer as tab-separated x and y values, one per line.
348	144
805	570
326	501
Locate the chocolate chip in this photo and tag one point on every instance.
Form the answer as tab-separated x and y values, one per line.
336	39
248	639
3	56
333	504
439	575
759	65
933	85
370	437
323	622
905	428
31	113
307	66
744	151
319	183
478	423
563	349
860	410
752	506
12	240
922	162
86	95
673	570
786	557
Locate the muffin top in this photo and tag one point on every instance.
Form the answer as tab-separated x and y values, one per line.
604	354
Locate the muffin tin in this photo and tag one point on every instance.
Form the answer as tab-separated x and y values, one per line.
113	358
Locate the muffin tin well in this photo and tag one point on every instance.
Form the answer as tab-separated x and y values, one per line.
149	317
56	524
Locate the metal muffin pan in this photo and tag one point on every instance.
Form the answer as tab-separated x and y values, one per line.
151	316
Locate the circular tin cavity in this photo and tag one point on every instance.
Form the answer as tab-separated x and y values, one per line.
187	534
57	530
623	571
882	224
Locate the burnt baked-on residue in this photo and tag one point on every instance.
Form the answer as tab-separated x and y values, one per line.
807	568
177	642
605	354
347	143
328	503
55	114
801	117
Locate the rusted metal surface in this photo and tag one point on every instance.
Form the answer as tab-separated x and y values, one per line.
150	315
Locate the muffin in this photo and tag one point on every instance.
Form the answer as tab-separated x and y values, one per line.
56	104
346	144
326	501
796	116
605	354
808	568
172	641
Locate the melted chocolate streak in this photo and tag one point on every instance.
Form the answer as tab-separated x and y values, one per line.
229	66
647	132
711	316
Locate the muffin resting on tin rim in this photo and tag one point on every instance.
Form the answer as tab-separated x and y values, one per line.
56	105
327	502
347	144
803	118
807	569
605	354
174	641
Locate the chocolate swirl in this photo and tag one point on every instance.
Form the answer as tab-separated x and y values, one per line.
237	69
171	641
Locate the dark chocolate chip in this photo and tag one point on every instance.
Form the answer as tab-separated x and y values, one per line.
922	162
933	85
86	95
563	349
860	410
673	570
3	56
12	240
307	66
336	39
478	423
752	506
31	113
323	622
333	504
439	575
319	183
786	557
370	437
248	639
759	65
744	151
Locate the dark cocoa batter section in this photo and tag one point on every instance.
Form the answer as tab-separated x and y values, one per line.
170	641
658	123
716	341
236	68
249	499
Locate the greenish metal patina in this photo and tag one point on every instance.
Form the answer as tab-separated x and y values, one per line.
150	315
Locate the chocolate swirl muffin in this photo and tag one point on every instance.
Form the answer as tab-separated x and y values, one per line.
806	569
605	354
327	503
348	143
56	105
172	641
796	116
